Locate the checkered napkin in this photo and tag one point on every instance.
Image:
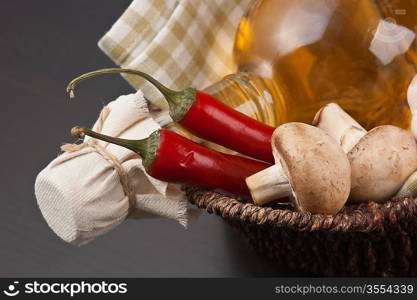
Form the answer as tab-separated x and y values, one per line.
182	43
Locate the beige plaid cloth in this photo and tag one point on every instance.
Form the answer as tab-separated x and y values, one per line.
182	43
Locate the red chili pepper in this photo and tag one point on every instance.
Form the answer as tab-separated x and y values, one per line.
208	118
171	157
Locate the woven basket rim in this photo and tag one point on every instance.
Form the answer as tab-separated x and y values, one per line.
364	217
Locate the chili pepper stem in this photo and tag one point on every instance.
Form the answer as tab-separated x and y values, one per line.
179	101
77	132
163	89
146	148
138	146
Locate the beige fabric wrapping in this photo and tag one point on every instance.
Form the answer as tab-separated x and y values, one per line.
80	193
181	43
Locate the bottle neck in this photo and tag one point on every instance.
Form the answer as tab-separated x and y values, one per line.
252	95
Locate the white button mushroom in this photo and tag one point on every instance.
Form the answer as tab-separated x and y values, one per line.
381	159
310	167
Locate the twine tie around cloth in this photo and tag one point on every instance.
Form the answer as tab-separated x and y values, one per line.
124	178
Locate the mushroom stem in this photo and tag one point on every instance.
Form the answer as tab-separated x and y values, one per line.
340	125
269	184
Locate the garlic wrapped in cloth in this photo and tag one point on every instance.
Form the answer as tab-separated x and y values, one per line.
94	186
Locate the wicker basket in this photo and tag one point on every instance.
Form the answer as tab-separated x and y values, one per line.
368	239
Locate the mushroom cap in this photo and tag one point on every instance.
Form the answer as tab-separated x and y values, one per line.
316	167
381	162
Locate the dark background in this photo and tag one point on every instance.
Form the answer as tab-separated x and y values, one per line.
43	45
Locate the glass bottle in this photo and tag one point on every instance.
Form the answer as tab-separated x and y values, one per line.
294	56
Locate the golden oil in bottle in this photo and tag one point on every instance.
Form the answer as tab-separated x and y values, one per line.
295	56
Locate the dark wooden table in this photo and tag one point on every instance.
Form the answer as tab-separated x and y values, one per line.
43	45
